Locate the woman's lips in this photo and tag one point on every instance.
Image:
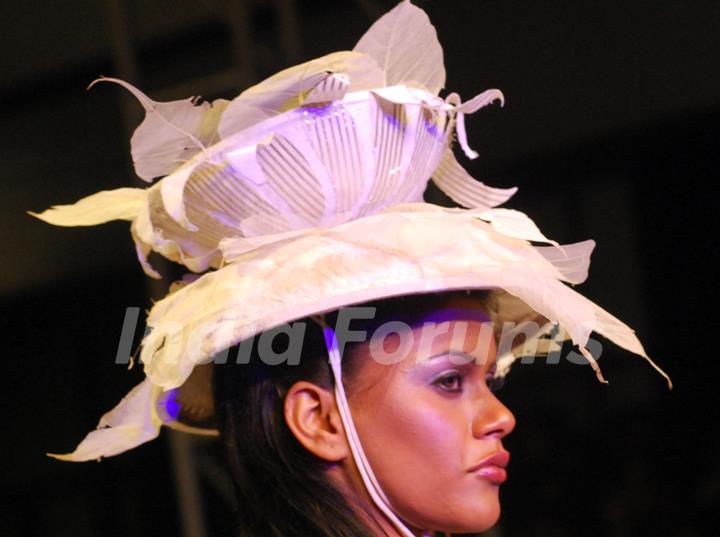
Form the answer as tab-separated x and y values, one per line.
493	467
494	474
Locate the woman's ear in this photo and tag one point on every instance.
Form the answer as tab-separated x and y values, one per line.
313	417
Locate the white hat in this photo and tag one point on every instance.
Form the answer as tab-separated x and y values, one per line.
303	195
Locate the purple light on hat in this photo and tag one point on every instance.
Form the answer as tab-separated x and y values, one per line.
450	314
172	405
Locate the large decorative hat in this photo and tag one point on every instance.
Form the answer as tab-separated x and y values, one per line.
304	194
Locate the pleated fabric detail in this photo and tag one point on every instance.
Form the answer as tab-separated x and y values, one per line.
462	188
290	175
332	134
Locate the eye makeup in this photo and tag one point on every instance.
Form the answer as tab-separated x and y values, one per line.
449	381
449	372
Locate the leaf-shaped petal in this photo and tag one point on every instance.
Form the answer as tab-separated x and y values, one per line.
284	90
405	45
572	260
98	208
482	100
171	132
462	188
333	87
172	189
132	422
514	224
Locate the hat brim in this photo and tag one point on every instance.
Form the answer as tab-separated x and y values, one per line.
407	249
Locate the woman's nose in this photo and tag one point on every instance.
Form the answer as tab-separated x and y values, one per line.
493	418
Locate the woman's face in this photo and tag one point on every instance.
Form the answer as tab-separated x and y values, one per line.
431	427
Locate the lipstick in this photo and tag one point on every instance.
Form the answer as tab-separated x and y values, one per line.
492	468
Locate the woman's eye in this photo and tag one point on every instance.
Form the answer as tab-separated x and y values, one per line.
451	382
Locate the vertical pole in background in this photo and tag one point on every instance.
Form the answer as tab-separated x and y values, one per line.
187	482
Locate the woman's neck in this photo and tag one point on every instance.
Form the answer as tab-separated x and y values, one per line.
352	487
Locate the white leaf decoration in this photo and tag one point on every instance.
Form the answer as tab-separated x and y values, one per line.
132	422
98	208
572	260
514	224
172	188
462	188
171	132
284	90
406	47
332	88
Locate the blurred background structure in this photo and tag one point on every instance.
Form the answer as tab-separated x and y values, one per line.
610	130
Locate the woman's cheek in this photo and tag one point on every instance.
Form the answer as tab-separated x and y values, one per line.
413	439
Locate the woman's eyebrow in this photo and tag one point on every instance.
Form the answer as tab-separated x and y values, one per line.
466	358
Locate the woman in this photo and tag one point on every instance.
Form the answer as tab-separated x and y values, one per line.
428	421
303	196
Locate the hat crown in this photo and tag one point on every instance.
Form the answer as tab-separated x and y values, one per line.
318	144
318	165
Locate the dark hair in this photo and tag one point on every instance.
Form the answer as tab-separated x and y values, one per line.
282	488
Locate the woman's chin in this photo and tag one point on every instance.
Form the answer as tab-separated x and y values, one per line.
480	515
471	518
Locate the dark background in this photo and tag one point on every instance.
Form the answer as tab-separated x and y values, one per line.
610	130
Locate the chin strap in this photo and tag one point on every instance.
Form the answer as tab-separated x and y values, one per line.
368	477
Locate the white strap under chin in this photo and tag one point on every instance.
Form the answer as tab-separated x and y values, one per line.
368	477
